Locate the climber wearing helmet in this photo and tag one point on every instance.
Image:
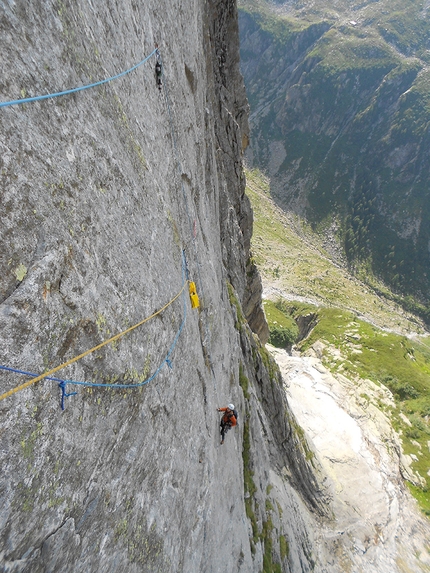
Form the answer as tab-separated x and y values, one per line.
229	420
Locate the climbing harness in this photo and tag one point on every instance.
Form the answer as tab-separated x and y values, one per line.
81	88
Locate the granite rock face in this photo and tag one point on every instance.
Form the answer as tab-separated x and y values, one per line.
101	193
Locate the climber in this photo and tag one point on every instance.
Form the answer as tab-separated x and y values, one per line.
159	73
229	420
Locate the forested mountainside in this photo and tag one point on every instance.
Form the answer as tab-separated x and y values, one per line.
340	118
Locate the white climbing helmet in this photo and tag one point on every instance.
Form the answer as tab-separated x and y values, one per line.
230	407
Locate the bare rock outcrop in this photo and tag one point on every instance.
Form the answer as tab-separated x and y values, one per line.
252	307
377	526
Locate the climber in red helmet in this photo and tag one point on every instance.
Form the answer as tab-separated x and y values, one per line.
229	420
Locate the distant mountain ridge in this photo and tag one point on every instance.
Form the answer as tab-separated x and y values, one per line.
340	119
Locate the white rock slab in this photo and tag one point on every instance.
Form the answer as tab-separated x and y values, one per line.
376	518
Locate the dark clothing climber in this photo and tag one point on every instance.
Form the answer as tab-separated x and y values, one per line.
159	73
229	420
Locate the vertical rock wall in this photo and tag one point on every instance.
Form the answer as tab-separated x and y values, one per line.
101	191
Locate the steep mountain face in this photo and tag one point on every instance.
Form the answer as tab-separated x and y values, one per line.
108	197
340	122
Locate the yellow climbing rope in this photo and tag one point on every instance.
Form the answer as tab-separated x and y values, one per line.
76	358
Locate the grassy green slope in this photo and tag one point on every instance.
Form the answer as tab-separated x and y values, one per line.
299	278
291	258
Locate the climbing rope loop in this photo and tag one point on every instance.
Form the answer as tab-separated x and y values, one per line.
63	383
192	291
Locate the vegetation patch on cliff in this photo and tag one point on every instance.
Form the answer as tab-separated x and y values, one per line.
283	328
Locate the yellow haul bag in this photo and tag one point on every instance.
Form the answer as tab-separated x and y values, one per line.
193	296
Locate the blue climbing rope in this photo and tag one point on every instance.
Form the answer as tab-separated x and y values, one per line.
28	373
179	165
63	383
74	90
